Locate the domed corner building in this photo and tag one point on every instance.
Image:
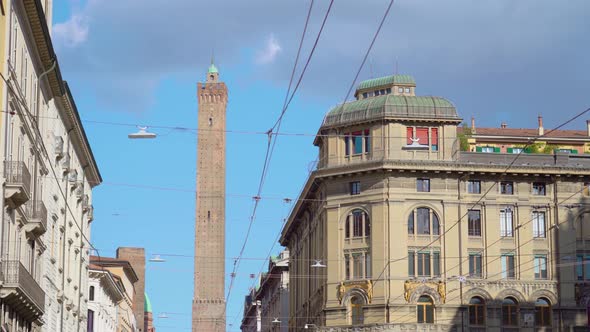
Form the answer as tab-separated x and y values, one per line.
424	224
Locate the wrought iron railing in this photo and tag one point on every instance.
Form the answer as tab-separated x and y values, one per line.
16	173
37	212
16	275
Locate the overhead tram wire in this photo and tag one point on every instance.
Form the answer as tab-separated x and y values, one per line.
270	147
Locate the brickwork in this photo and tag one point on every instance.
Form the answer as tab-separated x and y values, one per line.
136	257
209	296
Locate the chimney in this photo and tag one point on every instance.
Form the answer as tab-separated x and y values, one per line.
503	125
473	125
588	127
541	129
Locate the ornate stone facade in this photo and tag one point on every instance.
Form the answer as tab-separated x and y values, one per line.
417	234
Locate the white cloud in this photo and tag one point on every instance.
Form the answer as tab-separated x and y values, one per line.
270	51
72	32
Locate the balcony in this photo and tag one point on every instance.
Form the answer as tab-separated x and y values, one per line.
18	183
36	213
21	291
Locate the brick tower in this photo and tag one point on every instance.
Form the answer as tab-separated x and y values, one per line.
209	296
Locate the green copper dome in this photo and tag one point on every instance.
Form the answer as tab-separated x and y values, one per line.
213	69
147	307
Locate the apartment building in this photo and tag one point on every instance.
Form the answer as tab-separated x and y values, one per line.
266	308
104	294
406	224
48	174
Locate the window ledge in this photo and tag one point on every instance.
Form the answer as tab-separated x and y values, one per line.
419	148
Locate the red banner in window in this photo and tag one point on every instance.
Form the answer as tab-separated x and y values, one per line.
434	136
422	134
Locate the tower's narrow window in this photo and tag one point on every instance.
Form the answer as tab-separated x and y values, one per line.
210	122
208	214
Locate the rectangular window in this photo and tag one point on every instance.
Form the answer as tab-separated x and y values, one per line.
434	139
357	266
355	187
423	264
539	188
474	222
357	224
357	142
540	267
422	136
583	267
474	187
411	263
90	321
506	187
367	141
423	215
508	266
487	149
436	264
539	224
365	95
400	90
517	150
407	90
347	145
388	90
506	224
475	265
423	185
347	266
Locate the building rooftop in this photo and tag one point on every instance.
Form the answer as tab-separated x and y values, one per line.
392	106
528	132
387	80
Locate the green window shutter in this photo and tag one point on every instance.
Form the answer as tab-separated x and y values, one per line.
527	149
496	150
509	150
574	151
478	149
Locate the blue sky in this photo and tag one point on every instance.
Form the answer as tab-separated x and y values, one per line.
137	62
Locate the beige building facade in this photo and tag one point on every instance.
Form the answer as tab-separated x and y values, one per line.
417	234
48	174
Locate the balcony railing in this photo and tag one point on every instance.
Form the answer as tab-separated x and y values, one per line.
37	216
19	287
18	182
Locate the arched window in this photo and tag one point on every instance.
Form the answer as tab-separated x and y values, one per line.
91	293
425	310
357	224
477	311
356	310
542	312
423	221
509	312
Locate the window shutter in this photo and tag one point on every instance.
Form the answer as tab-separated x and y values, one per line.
497	150
434	136
422	134
410	132
574	151
478	149
510	150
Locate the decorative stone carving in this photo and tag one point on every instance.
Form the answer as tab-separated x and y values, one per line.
365	287
437	289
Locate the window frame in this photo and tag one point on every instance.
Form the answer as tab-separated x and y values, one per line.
506	224
540	261
421	183
478	310
508	271
543	311
474	225
425	308
539	189
539	225
475	264
470	186
357	143
509	312
504	185
357	225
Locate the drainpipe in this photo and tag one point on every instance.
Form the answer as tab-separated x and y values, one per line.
556	254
